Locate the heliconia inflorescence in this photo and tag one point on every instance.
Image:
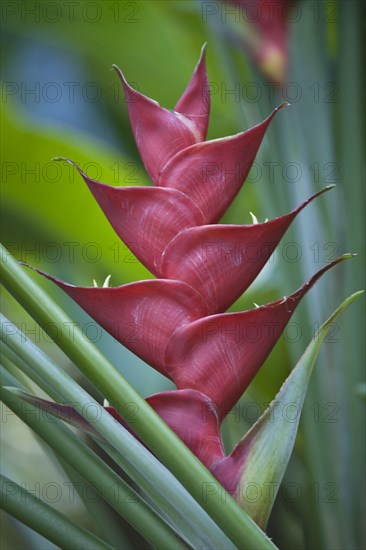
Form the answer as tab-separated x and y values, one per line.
180	327
267	39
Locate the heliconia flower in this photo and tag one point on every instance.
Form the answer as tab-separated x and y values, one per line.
176	323
267	38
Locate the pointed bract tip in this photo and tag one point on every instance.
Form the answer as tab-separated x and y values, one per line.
346	256
69	161
202	57
22	262
116	69
304	204
203	50
308	284
130	89
276	110
282	106
57	159
41	272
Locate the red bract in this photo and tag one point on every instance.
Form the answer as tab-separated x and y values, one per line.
160	133
176	322
267	37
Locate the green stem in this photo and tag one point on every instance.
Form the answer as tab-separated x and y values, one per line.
183	513
149	427
47	521
100	511
18	368
110	526
103	479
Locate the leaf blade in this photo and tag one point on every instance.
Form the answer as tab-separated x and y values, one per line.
262	455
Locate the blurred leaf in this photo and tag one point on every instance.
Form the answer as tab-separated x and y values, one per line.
32	511
49	215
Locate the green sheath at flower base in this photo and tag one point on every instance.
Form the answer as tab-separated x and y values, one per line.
259	460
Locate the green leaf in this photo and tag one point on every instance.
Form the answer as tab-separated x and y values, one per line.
267	447
171	500
44	519
111	526
103	479
41	208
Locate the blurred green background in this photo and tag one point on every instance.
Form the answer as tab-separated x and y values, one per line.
59	98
